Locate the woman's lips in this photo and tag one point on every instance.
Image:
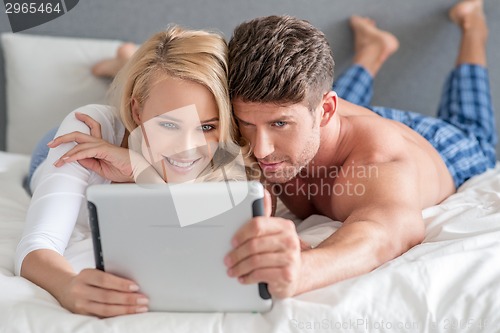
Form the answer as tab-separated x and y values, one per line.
182	166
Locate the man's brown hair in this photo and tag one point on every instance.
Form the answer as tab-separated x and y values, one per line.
279	59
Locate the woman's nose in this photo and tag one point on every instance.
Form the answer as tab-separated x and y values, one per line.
188	142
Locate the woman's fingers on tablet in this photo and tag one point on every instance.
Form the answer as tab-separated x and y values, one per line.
108	303
105	280
104	295
107	296
95	126
108	310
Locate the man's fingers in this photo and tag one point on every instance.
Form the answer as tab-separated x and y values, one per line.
260	226
95	127
277	279
304	246
259	261
262	275
268	203
267	244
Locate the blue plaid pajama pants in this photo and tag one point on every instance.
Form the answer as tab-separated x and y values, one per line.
464	131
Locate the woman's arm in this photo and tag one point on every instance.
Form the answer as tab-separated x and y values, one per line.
90	292
57	198
109	161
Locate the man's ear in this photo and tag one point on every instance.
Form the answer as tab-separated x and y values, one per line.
328	107
136	111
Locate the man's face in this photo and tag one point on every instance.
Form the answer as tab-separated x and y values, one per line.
284	139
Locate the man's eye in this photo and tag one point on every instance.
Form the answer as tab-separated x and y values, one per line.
168	125
242	123
279	123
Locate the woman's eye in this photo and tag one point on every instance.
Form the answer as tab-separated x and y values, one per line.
207	128
168	125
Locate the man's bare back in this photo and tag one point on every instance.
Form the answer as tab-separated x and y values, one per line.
370	145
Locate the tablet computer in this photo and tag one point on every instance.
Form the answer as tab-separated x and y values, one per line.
171	240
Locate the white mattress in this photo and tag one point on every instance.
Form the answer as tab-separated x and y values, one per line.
449	283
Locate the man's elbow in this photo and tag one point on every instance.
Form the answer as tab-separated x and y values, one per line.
400	241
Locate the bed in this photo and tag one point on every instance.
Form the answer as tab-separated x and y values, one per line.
449	283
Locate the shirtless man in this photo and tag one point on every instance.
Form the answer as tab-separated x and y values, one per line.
325	155
331	155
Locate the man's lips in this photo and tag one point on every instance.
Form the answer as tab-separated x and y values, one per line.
266	166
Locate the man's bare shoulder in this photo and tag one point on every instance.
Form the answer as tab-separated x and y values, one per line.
384	181
389	157
376	140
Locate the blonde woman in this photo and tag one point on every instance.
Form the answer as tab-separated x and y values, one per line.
174	96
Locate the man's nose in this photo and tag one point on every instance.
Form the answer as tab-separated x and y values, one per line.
262	145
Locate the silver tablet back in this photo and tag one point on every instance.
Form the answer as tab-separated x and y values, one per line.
171	240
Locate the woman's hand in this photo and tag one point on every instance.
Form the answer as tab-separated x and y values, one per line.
94	292
94	153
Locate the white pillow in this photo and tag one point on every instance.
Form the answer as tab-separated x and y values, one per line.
46	78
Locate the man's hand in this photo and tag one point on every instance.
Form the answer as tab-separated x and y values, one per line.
267	249
93	292
304	246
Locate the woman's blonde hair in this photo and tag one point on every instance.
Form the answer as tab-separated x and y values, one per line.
195	55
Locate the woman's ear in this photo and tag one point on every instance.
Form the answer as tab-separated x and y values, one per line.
136	111
328	107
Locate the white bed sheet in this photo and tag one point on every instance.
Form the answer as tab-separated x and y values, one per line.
449	283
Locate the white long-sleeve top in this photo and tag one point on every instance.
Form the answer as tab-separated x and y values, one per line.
58	200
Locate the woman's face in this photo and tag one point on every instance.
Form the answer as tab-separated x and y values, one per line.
180	128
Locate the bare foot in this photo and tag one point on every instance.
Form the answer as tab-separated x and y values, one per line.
110	67
469	16
372	46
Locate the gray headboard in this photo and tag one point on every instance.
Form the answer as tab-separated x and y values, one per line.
411	79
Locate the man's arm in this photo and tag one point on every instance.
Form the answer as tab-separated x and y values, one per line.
379	225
